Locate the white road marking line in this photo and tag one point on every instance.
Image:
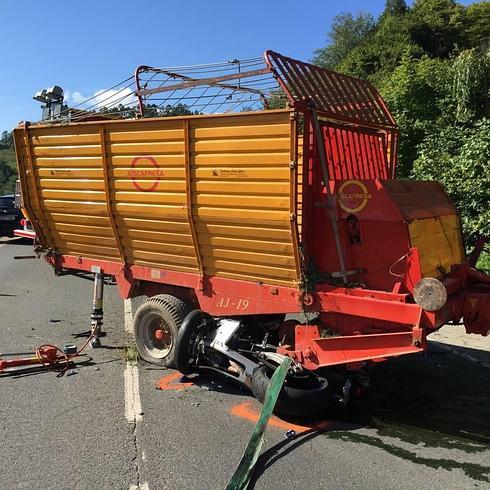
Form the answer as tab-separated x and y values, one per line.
141	486
128	316
132	400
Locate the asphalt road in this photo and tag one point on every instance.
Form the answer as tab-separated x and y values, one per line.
425	422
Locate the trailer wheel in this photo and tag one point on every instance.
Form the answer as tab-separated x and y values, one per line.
155	325
303	394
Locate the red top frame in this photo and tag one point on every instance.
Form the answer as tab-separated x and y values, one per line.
334	94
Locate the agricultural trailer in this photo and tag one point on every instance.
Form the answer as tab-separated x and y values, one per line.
256	232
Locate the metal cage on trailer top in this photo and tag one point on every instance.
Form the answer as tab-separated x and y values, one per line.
231	220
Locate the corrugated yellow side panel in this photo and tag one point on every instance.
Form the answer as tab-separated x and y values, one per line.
67	179
241	192
149	193
439	242
210	195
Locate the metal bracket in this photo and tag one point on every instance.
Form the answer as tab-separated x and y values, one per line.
320	143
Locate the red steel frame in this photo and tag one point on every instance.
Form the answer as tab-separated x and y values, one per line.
228	297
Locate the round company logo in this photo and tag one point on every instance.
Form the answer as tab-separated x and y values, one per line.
353	196
144	173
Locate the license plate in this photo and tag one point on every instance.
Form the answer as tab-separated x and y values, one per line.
7	218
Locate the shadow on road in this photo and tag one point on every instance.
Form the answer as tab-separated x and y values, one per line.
469	353
428	398
276	452
433	400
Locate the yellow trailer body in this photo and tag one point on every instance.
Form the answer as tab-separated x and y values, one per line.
212	195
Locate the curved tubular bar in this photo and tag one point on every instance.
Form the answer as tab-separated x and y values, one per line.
279	79
137	72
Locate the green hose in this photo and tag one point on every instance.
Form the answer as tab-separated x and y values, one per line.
243	473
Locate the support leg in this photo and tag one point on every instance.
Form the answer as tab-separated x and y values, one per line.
97	315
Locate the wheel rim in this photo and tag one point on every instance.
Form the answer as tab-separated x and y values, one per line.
157	336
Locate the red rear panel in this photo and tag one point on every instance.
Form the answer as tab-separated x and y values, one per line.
355	154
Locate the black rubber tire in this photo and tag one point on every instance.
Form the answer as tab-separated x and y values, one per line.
188	334
308	396
171	311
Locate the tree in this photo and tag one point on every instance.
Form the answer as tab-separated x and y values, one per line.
416	93
7	140
477	25
457	157
437	26
395	7
277	100
470	77
119	111
346	33
151	110
377	57
8	165
8	176
175	110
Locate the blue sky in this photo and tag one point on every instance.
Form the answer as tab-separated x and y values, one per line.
89	45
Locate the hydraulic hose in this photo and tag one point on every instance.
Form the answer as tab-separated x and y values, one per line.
242	475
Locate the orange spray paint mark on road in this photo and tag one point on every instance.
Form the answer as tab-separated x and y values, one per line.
171	382
247	411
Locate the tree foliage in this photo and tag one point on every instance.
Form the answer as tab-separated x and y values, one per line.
431	63
8	176
276	100
151	110
346	33
7	141
8	170
395	7
458	156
